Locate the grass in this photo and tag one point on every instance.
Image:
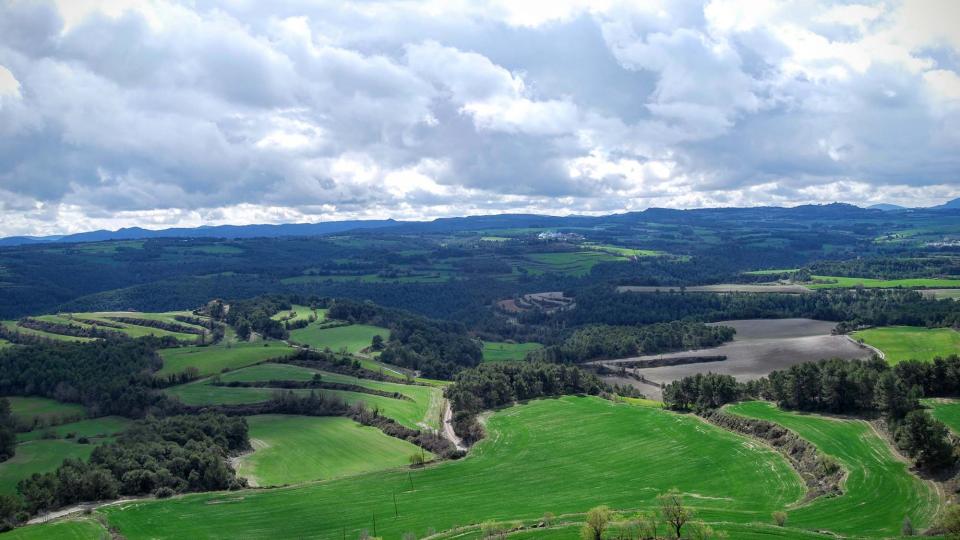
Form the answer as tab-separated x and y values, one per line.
215	358
92	428
834	282
577	263
771	272
35	454
71	529
496	351
299	313
952	294
354	338
28	408
536	458
131	330
13	327
900	343
4	344
294	449
422	408
946	411
622	251
879	489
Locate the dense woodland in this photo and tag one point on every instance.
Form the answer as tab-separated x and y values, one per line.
597	342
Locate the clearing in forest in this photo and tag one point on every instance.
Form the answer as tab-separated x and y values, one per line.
354	338
227	354
501	351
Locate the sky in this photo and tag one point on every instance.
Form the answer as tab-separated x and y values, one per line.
159	113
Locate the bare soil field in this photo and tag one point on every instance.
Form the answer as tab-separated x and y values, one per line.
759	347
722	288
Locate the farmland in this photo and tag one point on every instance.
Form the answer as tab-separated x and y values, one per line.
775	288
529	445
506	352
879	490
72	529
422	407
576	263
293	449
300	313
43	409
353	338
900	343
947	411
835	282
223	356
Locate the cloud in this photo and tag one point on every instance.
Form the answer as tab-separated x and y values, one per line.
171	113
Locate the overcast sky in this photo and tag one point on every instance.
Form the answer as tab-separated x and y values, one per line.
154	113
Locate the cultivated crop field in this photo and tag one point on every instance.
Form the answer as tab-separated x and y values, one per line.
836	282
498	351
73	529
294	449
759	347
900	343
44	409
776	288
353	338
879	490
213	359
300	313
577	263
946	411
14	327
532	448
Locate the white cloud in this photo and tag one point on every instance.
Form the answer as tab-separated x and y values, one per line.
171	112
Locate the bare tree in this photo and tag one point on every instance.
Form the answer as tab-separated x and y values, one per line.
672	510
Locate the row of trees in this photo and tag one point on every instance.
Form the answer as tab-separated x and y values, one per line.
853	308
602	341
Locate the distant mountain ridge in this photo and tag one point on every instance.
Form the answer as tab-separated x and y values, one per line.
504	221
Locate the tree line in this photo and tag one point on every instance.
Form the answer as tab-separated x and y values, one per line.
596	342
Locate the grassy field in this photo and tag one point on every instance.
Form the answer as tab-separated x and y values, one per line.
13	327
531	449
215	358
834	282
354	338
82	528
879	490
900	343
4	344
294	449
953	294
423	407
771	272
36	454
300	313
946	411
27	408
495	351
577	263
131	330
92	428
622	251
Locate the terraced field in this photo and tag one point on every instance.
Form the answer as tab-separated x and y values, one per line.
578	263
300	313
130	329
353	338
532	448
293	449
216	358
879	490
423	407
14	327
900	343
837	282
496	351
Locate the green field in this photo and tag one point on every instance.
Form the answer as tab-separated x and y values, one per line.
216	358
353	338
771	272
498	351
834	282
879	489
37	453
534	460
293	449
4	344
92	428
131	330
38	456
577	263
946	411
82	528
622	251
423	407
13	327
900	343
300	313
27	408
